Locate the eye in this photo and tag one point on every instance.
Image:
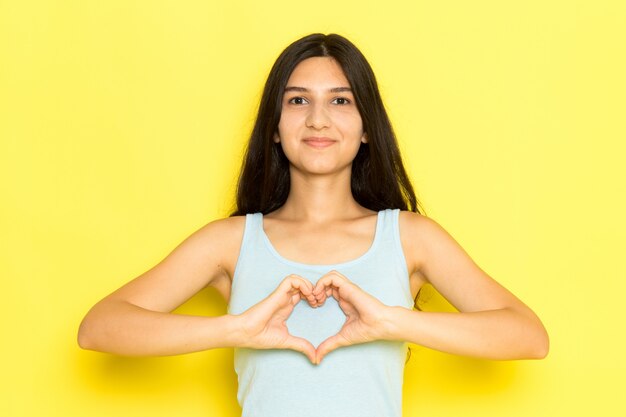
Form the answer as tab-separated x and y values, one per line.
341	101
297	100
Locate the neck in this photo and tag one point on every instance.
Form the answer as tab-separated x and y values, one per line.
320	198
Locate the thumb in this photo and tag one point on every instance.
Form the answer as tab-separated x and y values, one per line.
301	345
328	345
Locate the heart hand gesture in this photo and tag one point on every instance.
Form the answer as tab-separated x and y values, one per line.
364	313
263	325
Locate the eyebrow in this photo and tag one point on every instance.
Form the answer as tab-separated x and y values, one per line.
305	90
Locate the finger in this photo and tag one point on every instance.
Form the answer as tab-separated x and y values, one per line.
330	279
301	345
304	284
295	281
319	293
341	288
293	284
322	283
324	288
328	346
295	298
305	288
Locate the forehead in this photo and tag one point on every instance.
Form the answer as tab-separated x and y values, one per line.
318	72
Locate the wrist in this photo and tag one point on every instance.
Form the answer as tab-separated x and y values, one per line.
233	330
392	319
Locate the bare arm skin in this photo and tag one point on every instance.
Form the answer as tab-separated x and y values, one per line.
491	323
136	320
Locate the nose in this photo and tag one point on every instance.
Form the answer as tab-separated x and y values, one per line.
318	117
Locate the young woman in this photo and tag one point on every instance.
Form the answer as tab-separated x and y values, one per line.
321	261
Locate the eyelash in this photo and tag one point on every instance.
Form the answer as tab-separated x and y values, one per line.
347	101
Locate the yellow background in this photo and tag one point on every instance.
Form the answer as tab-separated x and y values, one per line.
122	125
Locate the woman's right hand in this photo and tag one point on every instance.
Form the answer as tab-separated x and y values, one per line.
263	326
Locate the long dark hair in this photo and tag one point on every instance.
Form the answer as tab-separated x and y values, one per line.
379	180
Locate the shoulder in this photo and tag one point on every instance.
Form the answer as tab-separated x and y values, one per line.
418	233
415	225
224	225
224	232
219	237
220	241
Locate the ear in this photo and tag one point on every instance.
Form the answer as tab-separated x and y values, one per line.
276	138
364	138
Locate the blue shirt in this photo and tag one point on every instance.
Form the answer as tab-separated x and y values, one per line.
363	380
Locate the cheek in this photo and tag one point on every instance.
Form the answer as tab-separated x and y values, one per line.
287	125
351	125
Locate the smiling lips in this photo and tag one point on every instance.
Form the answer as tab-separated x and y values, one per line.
318	142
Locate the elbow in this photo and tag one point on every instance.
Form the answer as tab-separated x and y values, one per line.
85	337
535	342
92	331
529	341
544	347
541	345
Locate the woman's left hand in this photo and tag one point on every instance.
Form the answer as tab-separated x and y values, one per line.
364	313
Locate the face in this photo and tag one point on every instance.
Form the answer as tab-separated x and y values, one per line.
320	128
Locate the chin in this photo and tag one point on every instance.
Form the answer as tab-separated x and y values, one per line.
317	169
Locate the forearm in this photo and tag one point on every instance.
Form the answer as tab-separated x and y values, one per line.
126	329
495	334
